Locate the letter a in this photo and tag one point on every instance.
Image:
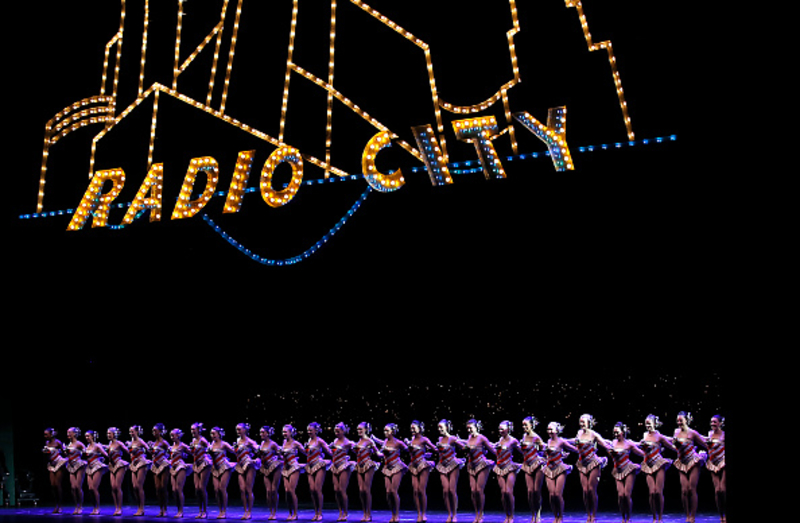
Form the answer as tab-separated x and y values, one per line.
153	185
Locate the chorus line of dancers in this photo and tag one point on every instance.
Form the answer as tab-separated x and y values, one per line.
542	462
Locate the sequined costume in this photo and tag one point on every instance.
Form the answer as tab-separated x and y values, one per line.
418	462
219	458
54	458
341	459
623	466
200	457
138	450
447	458
115	461
555	463
160	452
246	457
392	464
364	460
688	456
94	461
504	464
177	461
314	458
74	461
716	455
532	456
653	460
588	459
476	459
270	460
291	462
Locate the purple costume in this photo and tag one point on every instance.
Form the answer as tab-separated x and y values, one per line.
245	456
392	464
623	466
341	458
138	457
54	458
504	465
314	458
688	456
418	461
716	455
532	456
74	461
447	458
270	459
555	463
476	459
115	461
588	459
653	460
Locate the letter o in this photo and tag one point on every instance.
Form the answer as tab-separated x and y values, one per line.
282	154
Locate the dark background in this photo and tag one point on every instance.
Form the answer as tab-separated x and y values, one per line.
631	265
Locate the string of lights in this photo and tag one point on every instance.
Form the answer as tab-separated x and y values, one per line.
184	209
305	254
612	60
455	168
460	168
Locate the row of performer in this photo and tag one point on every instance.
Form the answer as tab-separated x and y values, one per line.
542	461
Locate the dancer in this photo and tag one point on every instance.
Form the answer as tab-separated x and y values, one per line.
689	463
292	468
589	463
366	448
716	462
532	462
139	465
316	466
178	468
247	465
53	449
420	467
393	468
159	449
654	464
95	467
556	470
221	474
478	466
76	467
449	467
116	466
506	469
624	470
342	467
201	467
271	465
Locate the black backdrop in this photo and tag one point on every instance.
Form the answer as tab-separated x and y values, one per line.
638	241
619	265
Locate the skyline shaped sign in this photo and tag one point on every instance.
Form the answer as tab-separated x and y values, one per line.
180	62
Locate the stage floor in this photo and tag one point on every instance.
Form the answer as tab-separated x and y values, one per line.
261	514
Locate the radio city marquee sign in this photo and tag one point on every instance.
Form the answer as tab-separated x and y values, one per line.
105	111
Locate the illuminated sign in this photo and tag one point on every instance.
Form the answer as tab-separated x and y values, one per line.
106	112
